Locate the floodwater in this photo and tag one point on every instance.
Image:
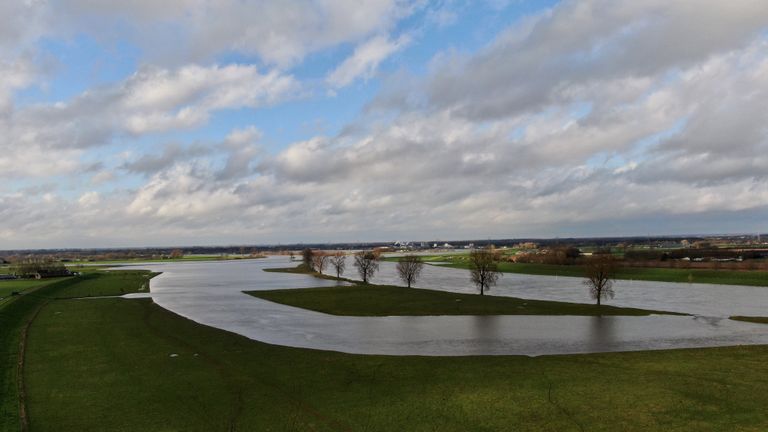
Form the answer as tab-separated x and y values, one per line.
211	293
692	298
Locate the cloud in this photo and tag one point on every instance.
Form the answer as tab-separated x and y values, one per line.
149	164
16	74
242	149
593	117
89	199
536	62
365	60
278	32
50	138
159	99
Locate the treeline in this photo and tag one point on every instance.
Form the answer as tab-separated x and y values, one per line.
38	267
563	255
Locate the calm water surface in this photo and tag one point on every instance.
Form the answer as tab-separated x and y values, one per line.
211	293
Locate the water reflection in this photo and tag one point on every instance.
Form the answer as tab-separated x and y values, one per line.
601	332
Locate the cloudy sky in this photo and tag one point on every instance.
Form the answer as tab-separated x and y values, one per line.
186	122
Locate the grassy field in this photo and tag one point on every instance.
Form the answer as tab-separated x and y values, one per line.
21	285
8	287
129	365
383	300
17	312
725	277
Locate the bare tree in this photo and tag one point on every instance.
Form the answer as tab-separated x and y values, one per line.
409	268
600	271
483	266
319	261
306	258
339	263
367	263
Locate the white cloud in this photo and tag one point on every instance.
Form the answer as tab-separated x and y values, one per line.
46	139
280	32
595	117
364	61
89	199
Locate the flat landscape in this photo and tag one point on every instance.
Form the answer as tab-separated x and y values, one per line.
131	365
383	216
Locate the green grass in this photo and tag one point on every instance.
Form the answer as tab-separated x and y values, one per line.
752	319
111	283
105	364
383	300
17	311
725	277
7	287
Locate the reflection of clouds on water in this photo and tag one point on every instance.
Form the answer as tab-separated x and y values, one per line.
211	293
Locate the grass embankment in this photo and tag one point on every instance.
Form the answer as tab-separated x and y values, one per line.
752	319
107	364
8	287
384	300
725	277
17	312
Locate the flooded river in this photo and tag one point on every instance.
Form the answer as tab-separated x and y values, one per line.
211	293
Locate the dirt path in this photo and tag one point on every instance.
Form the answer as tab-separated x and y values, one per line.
22	388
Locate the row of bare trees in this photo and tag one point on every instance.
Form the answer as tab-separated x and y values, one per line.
318	261
599	270
366	262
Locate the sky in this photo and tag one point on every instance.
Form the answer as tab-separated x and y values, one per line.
210	122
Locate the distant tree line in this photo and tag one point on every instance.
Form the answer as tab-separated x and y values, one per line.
38	267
